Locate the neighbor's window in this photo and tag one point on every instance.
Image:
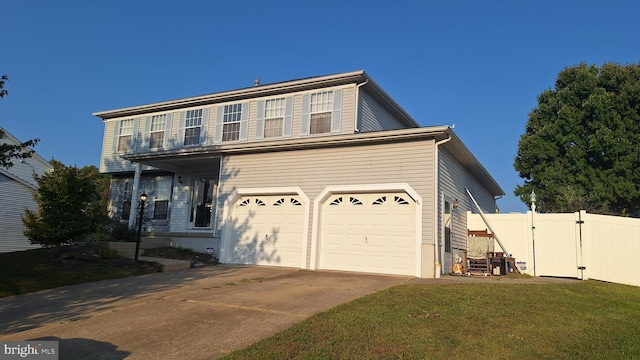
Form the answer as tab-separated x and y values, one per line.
125	134
156	136
161	209
273	118
231	122
192	127
321	107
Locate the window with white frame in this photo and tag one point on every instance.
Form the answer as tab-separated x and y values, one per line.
231	122
273	117
156	134
321	107
192	126
125	134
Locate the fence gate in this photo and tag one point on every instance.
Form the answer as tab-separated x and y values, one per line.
556	242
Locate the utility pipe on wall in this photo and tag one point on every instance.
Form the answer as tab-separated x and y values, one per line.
436	164
355	119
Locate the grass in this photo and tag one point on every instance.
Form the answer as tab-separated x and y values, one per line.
582	320
39	269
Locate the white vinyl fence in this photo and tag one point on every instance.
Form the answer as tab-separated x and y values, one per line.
578	245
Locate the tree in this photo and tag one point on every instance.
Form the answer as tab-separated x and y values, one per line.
581	147
72	203
13	151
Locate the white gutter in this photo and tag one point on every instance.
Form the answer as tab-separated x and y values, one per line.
436	164
355	119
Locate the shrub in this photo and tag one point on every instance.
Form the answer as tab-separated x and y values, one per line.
122	232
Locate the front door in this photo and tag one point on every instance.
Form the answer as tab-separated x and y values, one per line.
202	202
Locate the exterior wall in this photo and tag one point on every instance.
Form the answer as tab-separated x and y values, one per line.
17	186
313	170
111	162
372	116
452	181
157	187
181	209
15	198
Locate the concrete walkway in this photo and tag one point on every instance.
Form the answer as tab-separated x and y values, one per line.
200	313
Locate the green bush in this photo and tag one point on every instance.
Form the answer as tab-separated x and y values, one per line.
122	232
97	237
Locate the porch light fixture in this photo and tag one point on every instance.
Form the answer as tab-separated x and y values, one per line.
455	204
143	200
180	179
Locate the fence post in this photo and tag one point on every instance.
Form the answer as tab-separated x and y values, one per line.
582	268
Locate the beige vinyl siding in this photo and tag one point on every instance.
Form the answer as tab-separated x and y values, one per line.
348	102
313	170
453	179
17	186
374	117
15	198
110	161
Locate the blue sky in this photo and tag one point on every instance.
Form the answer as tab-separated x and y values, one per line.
477	64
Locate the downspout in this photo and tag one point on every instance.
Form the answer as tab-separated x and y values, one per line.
437	207
355	120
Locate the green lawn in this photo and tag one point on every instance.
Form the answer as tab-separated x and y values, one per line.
582	320
38	269
577	320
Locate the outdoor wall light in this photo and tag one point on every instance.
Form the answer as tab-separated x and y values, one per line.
455	204
180	179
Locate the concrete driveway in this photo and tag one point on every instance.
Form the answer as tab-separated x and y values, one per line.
191	314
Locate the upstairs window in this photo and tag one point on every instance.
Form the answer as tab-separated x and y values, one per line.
231	122
321	108
273	117
125	135
157	129
321	113
192	127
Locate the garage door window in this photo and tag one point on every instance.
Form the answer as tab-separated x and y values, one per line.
379	201
400	201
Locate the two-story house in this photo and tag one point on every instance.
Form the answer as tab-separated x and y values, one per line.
17	186
325	172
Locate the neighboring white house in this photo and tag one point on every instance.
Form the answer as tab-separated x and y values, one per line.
17	186
325	172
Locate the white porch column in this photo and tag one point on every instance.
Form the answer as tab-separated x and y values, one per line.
135	195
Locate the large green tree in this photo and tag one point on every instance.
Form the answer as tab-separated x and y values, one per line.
8	151
581	148
72	203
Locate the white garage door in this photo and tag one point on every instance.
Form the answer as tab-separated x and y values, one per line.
267	230
369	233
